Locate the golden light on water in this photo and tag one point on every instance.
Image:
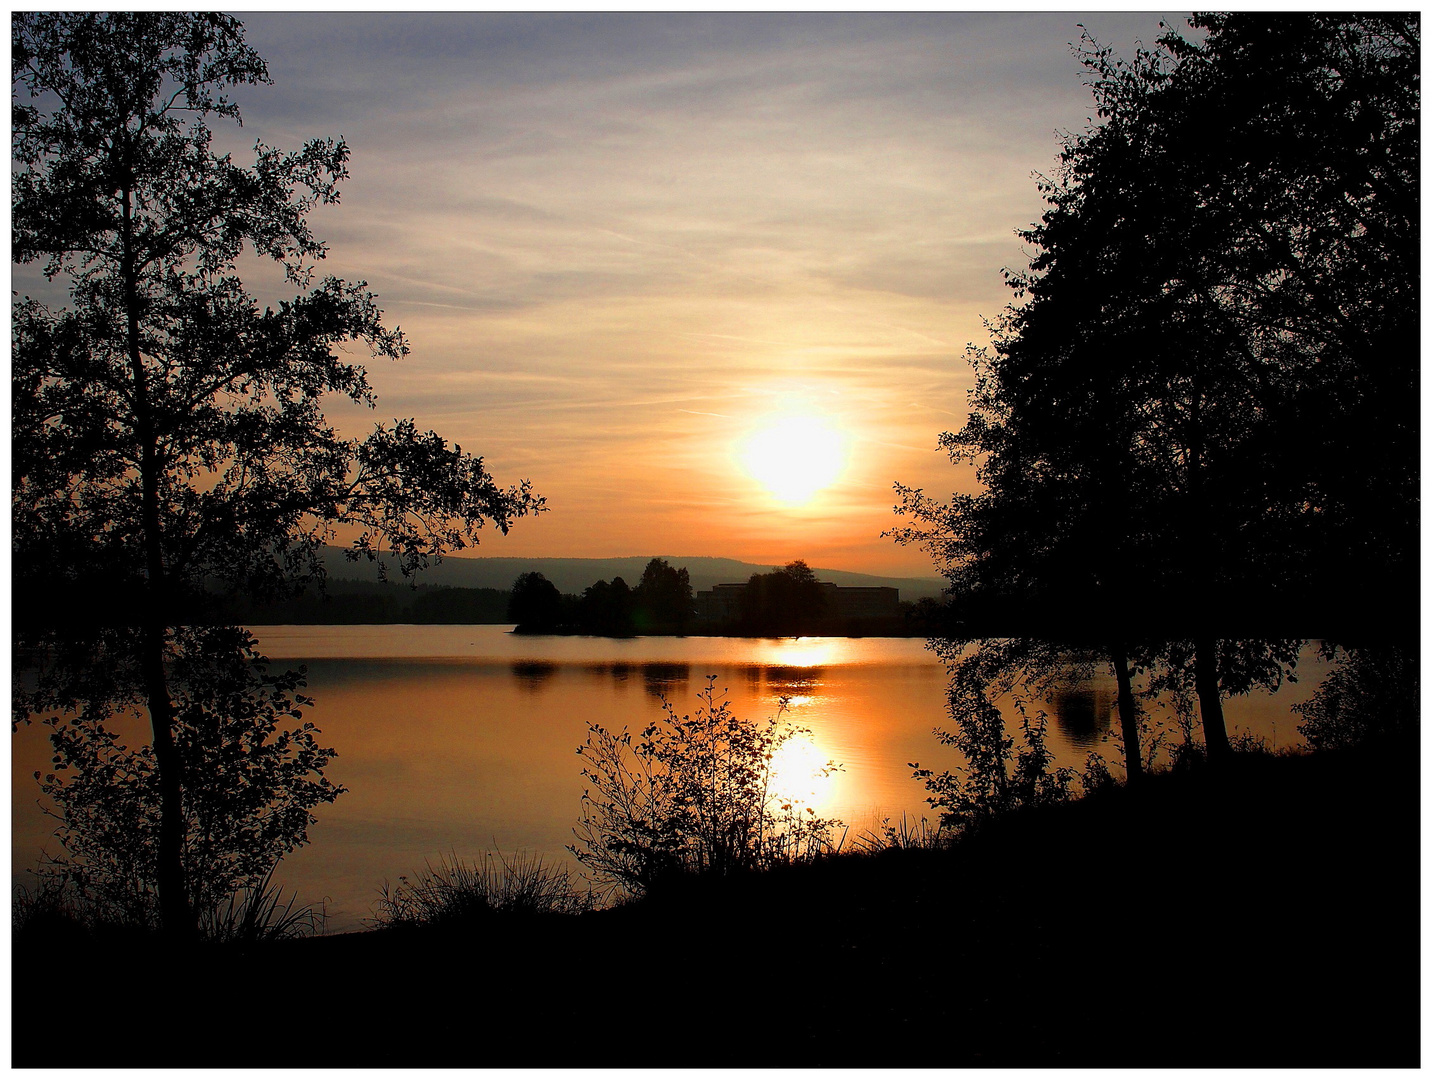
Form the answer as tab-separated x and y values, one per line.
801	652
795	457
798	772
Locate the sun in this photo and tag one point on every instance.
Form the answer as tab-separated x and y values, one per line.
794	457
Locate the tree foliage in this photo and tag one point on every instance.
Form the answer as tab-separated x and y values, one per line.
660	604
606	608
1372	695
164	373
1218	319
535	605
662	598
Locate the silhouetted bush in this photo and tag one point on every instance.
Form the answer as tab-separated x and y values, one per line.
999	775
907	836
260	913
453	892
1373	693
691	796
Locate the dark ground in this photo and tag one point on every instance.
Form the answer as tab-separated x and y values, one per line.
1267	918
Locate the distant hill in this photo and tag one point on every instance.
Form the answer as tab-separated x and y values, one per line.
574	575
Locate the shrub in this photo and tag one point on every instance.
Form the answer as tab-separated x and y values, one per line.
1373	693
258	912
998	776
691	795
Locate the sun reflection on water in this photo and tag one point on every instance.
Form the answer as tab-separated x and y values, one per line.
800	772
802	652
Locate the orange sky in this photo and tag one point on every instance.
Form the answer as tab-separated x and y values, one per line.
624	246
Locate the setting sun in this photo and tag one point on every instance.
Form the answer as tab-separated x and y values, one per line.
794	457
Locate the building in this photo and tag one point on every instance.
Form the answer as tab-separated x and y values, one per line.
719	603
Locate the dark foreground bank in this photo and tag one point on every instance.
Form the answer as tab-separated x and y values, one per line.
1266	918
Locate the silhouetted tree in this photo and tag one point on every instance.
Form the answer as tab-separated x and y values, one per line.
663	597
788	600
457	605
1219	316
536	605
167	431
606	609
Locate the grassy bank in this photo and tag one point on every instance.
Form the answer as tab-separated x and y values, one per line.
1268	917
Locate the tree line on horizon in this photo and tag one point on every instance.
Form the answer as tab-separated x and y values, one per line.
349	602
783	602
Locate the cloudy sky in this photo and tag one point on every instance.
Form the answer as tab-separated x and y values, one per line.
656	263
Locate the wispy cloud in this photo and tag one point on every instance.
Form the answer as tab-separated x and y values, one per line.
617	242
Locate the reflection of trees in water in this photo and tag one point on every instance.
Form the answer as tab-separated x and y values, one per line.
665	678
618	672
532	675
785	681
1083	714
658	678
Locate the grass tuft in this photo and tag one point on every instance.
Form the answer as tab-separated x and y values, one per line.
260	913
907	836
454	892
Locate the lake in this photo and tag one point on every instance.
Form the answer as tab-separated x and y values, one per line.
462	739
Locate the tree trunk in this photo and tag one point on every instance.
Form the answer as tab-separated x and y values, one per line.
1202	578
1128	716
174	909
1210	700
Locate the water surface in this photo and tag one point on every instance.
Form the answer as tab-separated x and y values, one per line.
461	739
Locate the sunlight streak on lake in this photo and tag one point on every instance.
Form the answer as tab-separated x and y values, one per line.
800	774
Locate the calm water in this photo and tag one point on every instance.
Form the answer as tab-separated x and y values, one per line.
461	739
